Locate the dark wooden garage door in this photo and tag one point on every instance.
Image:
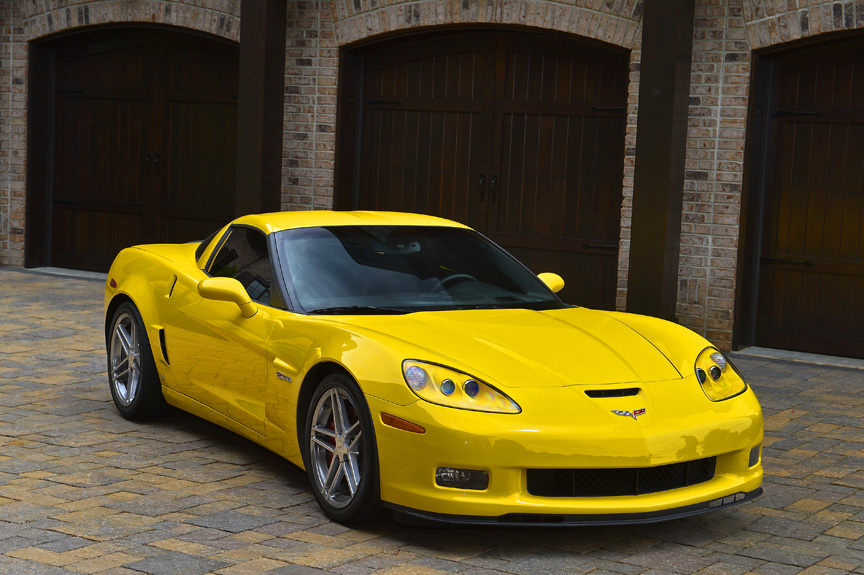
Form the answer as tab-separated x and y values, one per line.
811	287
145	135
518	135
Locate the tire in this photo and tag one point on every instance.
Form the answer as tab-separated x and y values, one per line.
132	374
340	452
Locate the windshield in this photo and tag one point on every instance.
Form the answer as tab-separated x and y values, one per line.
401	269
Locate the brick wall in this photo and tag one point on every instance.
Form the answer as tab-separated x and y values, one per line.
13	124
629	171
311	71
726	31
719	80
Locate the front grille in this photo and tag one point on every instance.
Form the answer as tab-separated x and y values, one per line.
623	481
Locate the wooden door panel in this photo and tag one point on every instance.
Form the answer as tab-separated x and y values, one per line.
110	66
560	179
100	145
101	131
445	69
197	168
559	163
517	135
543	69
558	153
198	135
426	129
423	161
811	289
811	303
119	177
851	195
99	160
593	271
195	72
89	239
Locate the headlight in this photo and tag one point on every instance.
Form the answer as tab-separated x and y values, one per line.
717	376
445	386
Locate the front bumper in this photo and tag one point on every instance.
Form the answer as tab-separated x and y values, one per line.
417	518
563	429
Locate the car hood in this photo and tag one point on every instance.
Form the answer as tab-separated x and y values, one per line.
523	348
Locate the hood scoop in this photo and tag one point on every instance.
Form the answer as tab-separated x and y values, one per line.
627	392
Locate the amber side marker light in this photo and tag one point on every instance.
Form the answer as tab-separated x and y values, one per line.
399	423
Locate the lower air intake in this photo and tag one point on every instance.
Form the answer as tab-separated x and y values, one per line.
624	481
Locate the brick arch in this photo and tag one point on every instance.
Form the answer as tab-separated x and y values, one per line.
773	23
617	24
39	22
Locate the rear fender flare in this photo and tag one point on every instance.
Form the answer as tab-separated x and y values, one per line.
145	281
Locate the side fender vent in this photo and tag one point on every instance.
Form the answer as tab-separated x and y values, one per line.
163	346
627	392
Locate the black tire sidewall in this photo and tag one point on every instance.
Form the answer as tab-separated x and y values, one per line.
365	505
146	401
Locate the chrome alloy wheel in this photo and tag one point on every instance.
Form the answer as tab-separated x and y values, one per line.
125	359
335	447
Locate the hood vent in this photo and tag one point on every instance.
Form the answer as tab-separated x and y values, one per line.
628	392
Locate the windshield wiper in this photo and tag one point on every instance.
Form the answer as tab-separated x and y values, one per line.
356	309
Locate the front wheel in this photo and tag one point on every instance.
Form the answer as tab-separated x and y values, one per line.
132	375
341	457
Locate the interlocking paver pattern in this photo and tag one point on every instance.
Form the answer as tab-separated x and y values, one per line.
84	491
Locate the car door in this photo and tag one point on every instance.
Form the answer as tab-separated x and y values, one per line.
218	356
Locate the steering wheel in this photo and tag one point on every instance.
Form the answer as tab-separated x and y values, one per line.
455	278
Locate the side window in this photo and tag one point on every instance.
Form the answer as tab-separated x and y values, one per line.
244	257
202	247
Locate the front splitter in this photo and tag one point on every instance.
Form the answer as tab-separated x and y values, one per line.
415	518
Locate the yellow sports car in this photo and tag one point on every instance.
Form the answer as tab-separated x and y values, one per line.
407	362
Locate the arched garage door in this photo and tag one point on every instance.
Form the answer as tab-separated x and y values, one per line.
811	265
520	136
144	142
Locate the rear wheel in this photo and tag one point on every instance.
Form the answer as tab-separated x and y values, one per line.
341	457
132	374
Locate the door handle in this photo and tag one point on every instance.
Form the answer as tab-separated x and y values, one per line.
493	192
71	203
612	109
781	113
590	246
482	187
156	167
147	165
382	102
772	261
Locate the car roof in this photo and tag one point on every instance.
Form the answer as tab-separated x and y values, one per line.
276	221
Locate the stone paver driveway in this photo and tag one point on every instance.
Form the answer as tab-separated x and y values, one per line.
83	491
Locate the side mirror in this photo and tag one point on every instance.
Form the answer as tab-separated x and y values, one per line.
552	281
227	289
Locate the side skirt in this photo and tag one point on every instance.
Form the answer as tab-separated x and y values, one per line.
195	407
279	443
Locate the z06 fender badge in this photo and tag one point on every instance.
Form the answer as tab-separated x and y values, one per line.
633	414
283	377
